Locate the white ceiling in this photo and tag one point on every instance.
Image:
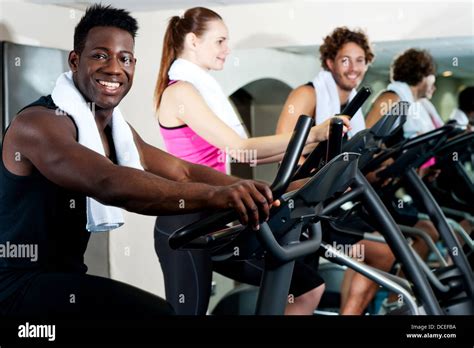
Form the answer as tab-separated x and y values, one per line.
148	5
445	51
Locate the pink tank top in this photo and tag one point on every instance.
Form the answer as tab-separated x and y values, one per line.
184	143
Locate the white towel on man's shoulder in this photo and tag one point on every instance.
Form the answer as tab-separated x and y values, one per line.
460	117
415	123
328	103
67	97
402	89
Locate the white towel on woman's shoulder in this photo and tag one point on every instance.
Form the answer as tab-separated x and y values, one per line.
212	93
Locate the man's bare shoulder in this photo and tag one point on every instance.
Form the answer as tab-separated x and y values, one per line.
38	118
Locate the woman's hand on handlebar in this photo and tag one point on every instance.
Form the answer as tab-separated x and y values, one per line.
320	132
250	199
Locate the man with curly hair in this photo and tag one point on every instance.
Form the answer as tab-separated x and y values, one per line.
413	78
345	56
413	81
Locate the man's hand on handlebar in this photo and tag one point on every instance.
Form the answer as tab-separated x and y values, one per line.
321	132
250	199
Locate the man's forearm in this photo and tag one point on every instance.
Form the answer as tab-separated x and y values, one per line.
203	174
145	193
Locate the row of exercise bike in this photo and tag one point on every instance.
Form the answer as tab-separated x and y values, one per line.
337	187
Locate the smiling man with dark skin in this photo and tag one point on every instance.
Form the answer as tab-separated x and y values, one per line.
44	167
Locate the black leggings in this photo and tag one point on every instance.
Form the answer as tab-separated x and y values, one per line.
188	273
81	296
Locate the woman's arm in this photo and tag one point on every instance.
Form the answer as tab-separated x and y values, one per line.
188	105
277	158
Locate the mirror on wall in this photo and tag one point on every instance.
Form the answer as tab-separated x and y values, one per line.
27	73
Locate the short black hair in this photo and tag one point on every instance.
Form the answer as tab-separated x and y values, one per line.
466	100
103	16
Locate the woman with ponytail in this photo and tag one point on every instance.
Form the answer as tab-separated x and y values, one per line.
198	124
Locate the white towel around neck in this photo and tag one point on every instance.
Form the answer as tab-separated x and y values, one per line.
210	90
402	89
415	120
460	117
67	97
328	103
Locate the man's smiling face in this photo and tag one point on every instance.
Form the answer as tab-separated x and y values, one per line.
103	71
349	66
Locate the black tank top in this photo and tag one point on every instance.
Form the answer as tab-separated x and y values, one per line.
36	213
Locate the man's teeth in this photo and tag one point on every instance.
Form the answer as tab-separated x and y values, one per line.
113	85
